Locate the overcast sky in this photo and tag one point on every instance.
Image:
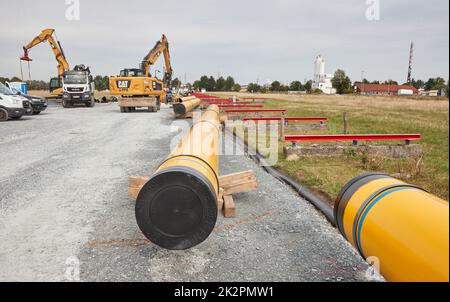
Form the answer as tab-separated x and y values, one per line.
248	39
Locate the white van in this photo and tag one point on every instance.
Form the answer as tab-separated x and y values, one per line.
11	106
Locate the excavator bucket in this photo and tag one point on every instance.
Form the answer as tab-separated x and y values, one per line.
25	56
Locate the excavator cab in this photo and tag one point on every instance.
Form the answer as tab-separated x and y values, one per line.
55	83
132	72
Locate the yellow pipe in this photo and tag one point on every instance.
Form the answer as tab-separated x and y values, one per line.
405	228
181	109
177	208
184	99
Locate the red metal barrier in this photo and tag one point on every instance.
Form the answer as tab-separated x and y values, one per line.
204	96
213	101
256	111
359	137
240	106
287	119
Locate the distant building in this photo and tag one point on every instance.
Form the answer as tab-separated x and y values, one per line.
385	90
431	93
322	80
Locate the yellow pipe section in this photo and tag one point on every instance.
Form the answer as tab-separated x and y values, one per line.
184	99
177	208
181	109
405	228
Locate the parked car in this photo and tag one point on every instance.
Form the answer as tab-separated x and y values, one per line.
12	106
38	104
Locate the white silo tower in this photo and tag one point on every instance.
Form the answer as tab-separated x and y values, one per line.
321	80
319	71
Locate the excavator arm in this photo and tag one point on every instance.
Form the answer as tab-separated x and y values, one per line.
161	47
47	35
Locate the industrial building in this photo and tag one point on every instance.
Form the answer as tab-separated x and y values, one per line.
385	90
321	80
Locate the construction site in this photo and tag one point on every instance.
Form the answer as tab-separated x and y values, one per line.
152	179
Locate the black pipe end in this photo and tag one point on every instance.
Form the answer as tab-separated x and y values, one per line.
179	109
177	209
347	193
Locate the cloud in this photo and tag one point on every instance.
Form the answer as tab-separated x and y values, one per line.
247	39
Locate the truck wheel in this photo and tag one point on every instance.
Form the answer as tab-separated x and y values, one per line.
91	103
16	117
122	109
65	104
36	112
3	115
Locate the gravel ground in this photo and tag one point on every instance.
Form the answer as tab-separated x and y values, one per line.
64	206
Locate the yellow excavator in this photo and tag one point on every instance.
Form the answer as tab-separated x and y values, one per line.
63	65
73	86
137	88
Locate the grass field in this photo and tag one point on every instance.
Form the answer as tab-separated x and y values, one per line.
429	117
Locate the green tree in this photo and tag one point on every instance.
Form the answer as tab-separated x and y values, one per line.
211	84
237	87
275	86
175	82
419	84
341	82
101	83
3	80
203	83
196	85
252	87
229	83
220	84
308	86
15	79
296	86
439	84
390	82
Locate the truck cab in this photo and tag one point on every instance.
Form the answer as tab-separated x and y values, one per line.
12	106
78	87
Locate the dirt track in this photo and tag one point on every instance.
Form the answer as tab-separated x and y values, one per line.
63	201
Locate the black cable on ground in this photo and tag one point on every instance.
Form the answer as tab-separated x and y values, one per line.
304	192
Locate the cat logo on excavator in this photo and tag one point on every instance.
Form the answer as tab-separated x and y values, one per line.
123	85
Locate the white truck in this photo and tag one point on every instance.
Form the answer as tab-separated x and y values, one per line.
12	106
78	87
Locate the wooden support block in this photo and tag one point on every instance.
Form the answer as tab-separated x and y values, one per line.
135	184
236	178
229	208
242	188
220	199
238	182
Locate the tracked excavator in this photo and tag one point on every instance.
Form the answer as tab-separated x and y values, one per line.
137	88
74	86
